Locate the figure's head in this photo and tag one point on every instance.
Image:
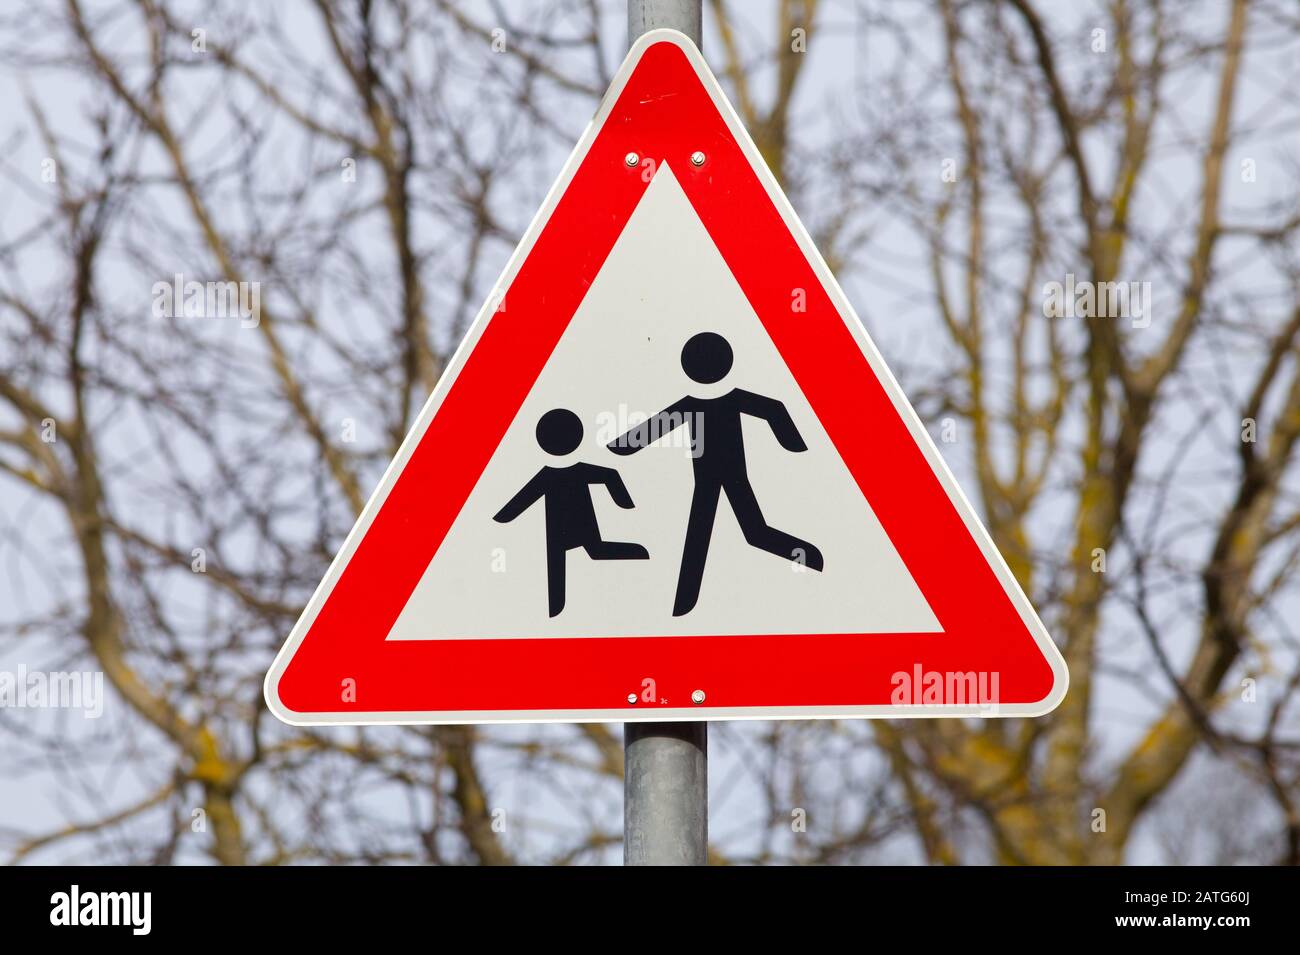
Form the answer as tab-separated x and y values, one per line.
706	358
559	431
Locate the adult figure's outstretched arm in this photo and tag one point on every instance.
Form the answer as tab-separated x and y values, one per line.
525	499
777	418
652	429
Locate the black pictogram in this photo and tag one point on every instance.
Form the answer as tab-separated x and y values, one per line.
570	516
719	462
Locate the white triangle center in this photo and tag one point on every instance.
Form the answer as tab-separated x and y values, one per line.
618	362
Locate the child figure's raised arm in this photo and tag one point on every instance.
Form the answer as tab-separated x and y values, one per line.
527	496
614	483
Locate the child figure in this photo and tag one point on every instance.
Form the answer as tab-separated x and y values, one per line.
570	516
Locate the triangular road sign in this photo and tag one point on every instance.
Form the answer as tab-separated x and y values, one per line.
666	476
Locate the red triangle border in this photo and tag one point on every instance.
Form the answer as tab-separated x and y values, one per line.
667	108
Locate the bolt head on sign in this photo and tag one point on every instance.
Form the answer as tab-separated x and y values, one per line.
672	478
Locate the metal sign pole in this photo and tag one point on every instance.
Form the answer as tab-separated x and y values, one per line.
665	765
681	15
665	793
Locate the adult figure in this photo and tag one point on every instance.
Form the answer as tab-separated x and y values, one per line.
719	464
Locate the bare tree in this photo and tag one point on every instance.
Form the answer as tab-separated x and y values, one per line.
175	484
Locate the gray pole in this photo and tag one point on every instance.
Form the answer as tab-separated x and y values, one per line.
646	15
665	793
665	765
